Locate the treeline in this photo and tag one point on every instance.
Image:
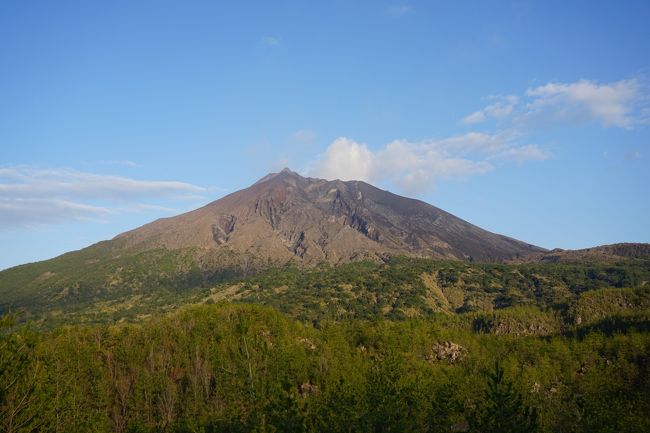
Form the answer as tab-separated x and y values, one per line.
407	287
92	286
243	368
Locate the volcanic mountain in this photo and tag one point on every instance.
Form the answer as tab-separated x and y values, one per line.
287	217
283	218
294	227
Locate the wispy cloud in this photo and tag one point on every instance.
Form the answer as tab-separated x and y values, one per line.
621	104
398	10
633	155
122	162
144	207
27	212
303	136
500	107
416	166
271	41
612	104
25	182
31	195
521	154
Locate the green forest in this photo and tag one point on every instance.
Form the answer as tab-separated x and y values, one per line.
410	345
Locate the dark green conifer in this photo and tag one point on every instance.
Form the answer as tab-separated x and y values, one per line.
502	409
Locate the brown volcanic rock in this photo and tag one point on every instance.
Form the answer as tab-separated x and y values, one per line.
285	216
612	253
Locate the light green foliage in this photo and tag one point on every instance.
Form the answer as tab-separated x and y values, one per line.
20	401
594	306
364	347
98	285
242	368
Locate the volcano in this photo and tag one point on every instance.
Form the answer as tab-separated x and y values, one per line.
287	217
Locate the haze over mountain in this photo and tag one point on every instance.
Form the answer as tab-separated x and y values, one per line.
285	216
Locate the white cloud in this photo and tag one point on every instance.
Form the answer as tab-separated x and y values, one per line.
415	167
18	212
621	104
529	152
475	117
612	104
35	195
502	107
346	159
22	182
477	142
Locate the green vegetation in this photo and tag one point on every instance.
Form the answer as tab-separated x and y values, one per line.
502	408
406	345
93	286
405	287
238	368
94	283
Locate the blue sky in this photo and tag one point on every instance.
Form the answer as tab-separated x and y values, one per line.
527	118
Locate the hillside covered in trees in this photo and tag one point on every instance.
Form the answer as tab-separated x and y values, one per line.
397	289
406	345
230	368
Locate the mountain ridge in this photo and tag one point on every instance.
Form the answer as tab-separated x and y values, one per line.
283	219
285	216
601	253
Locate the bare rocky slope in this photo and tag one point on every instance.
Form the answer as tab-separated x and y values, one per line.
286	217
601	254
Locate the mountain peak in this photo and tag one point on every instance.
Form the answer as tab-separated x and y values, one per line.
284	172
286	217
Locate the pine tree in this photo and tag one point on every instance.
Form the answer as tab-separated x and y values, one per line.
502	411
